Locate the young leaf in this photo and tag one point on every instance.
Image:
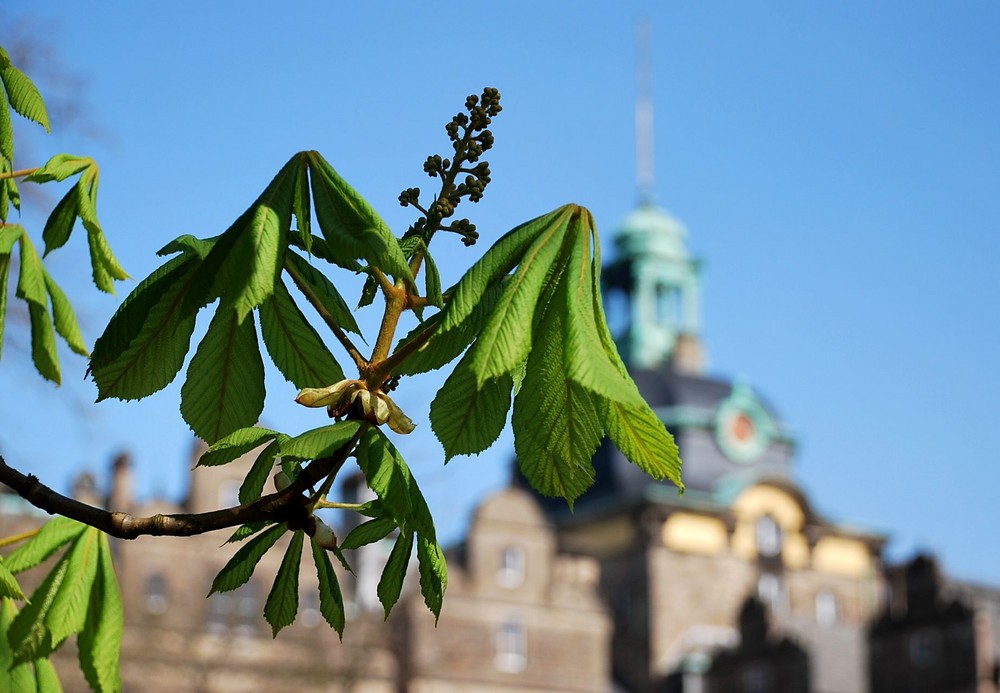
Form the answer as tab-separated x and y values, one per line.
331	602
60	222
433	574
295	347
641	437
236	444
351	227
368	533
64	318
189	245
391	583
100	642
4	272
314	283
28	635
69	607
6	127
389	477
468	419
283	601
224	389
144	345
8	584
104	264
241	566
46	678
22	92
43	343
14	678
320	442
246	531
253	485
302	206
53	535
60	167
433	281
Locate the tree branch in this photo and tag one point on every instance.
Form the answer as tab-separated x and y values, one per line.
289	505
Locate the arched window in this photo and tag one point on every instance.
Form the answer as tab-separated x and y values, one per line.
511	571
512	647
768	537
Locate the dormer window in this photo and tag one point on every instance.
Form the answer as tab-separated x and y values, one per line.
768	537
511	571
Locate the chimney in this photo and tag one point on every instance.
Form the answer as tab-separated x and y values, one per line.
120	495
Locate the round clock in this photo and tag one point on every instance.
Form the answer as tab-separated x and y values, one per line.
743	428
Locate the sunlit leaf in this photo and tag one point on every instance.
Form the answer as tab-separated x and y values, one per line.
100	642
368	533
433	573
22	92
8	583
69	608
224	389
53	535
311	281
466	418
391	583
14	678
235	445
331	602
60	223
320	442
64	318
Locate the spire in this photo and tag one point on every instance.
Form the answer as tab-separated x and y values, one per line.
644	163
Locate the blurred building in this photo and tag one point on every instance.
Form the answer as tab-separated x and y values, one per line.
738	585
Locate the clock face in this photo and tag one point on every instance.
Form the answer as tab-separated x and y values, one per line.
743	428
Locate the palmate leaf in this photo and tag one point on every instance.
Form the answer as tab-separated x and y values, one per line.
295	347
52	536
60	167
8	584
368	532
331	601
60	223
105	266
433	574
69	608
388	476
283	600
253	484
100	641
224	389
6	128
319	442
309	279
28	635
64	318
546	338
236	444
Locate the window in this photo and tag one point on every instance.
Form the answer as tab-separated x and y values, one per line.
512	650
826	609
768	537
511	572
156	599
771	590
237	611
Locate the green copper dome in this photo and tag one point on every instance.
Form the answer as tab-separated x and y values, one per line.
651	231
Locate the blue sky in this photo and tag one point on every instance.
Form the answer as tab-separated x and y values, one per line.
837	166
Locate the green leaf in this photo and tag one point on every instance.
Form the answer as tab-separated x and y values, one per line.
14	678
43	344
241	566
246	531
391	583
4	273
28	635
9	194
433	574
643	439
60	167
331	602
283	601
253	485
69	607
46	678
368	291
388	476
188	244
61	221
8	584
556	425
224	389
64	318
22	92
433	281
245	262
236	444
100	641
31	281
295	347
6	128
302	207
368	533
310	280
53	535
144	345
351	227
509	250
466	418
320	442
505	340
104	264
